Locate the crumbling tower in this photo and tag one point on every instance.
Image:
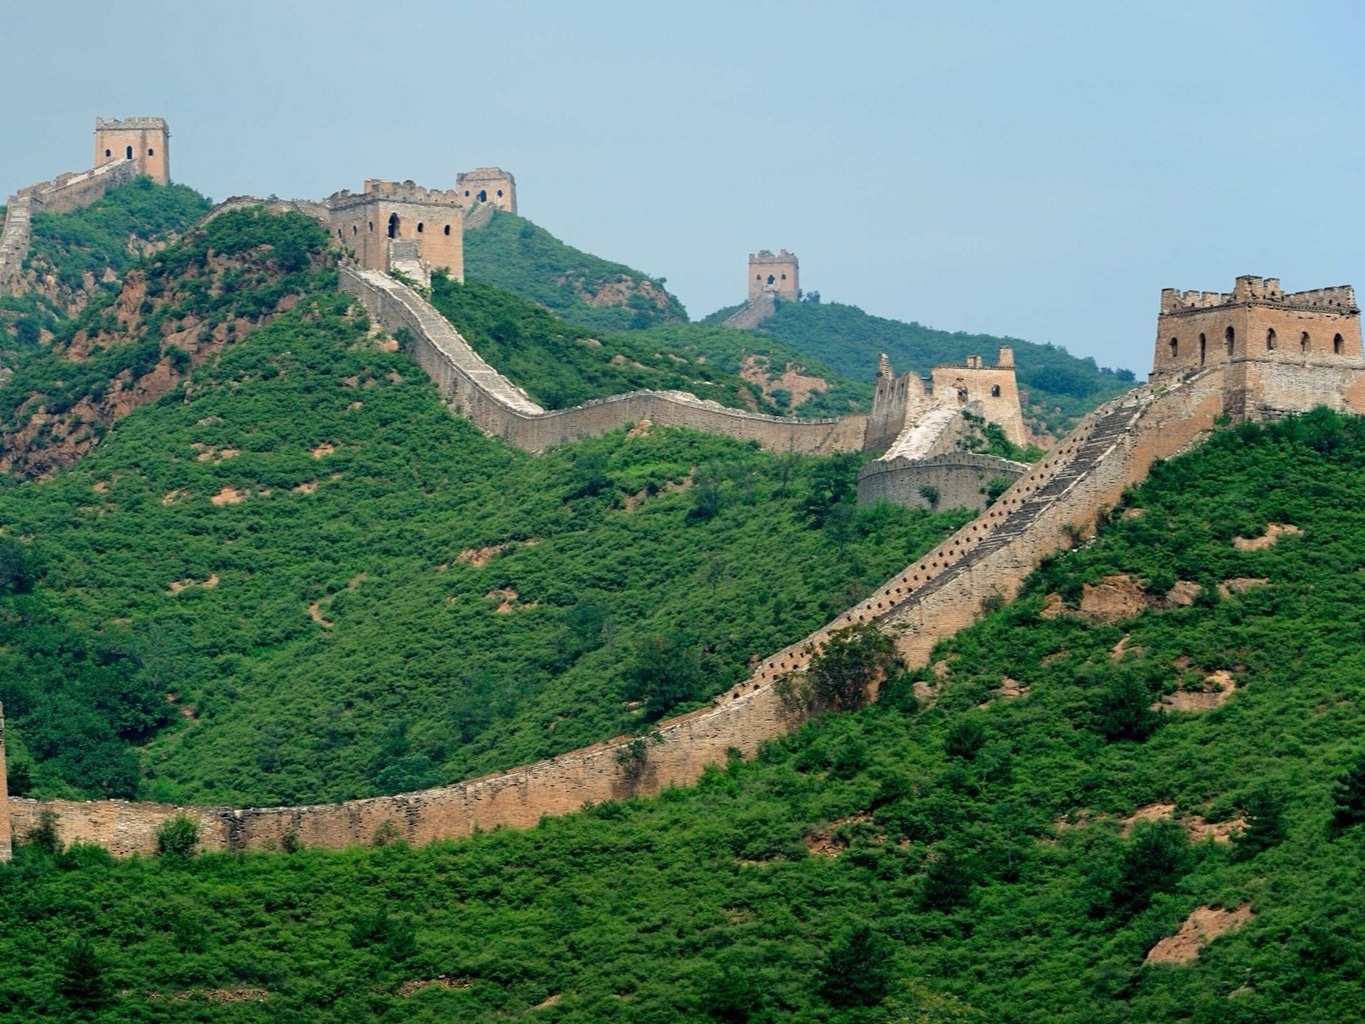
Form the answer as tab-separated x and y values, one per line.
145	140
488	185
779	274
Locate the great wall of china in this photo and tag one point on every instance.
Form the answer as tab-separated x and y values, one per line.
1049	507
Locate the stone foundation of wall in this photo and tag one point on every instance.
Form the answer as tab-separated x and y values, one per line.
953	480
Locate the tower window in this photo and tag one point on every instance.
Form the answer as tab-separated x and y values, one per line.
129	152
483	195
393	225
108	153
447	229
420	227
1336	345
499	193
150	151
1303	342
1175	347
770	278
1269	339
995	390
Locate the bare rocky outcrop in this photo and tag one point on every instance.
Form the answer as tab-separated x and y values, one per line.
1199	929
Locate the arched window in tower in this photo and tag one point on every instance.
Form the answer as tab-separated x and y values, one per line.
499	193
393	225
1270	340
771	279
1229	337
150	151
108	153
129	152
420	227
447	229
1304	343
483	195
1175	347
995	390
1337	344
1202	347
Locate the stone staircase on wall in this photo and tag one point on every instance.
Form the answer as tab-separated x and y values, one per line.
479	217
752	313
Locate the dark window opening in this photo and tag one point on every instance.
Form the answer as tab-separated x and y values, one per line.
371	225
1336	345
499	193
108	153
483	195
1202	347
420	227
1270	340
393	225
995	390
466	193
130	152
1303	342
784	277
151	152
447	229
354	230
1229	336
1175	347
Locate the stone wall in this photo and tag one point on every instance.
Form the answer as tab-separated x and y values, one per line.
500	408
14	238
953	480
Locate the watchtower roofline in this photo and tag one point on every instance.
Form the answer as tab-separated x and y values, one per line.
1249	289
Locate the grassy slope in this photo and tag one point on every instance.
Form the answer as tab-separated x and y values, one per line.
359	494
517	255
704	905
1060	386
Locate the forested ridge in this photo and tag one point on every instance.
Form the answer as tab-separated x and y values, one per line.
1004	836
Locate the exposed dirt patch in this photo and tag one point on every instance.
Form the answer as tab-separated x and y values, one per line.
386	344
1132	513
1182	595
792	378
1113	599
1218	687
215	995
641	429
1053	606
588	342
444	981
315	613
1272	535
479	557
307	487
207	453
323	450
1196	827
1241	584
547	1002
229	496
508	600
178	585
824	843
100	487
1202	926
1117	652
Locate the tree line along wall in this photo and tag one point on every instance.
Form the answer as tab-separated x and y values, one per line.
990	556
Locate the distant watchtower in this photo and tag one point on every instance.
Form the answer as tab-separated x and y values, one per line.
778	274
488	185
145	140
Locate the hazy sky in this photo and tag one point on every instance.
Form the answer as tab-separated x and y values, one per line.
1034	169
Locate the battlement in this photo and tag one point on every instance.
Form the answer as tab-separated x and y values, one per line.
129	124
409	192
429	222
1251	289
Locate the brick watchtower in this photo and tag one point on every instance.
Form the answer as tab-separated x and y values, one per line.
779	274
145	140
487	185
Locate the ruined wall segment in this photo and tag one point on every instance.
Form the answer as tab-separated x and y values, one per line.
146	141
487	185
948	480
6	838
993	388
779	273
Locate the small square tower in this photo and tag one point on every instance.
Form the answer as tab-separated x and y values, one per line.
779	274
145	140
487	185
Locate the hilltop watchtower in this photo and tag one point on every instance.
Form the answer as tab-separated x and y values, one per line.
488	185
779	274
144	140
399	225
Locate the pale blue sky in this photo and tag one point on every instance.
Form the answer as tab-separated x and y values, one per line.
1040	170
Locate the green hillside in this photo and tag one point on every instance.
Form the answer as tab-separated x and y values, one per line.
515	254
562	364
298	505
1056	387
972	856
74	257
